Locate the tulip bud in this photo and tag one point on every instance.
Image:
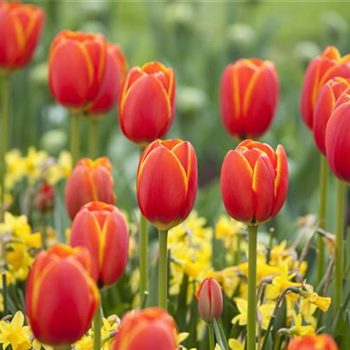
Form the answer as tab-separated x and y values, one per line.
76	68
314	342
112	81
248	97
147	103
44	200
103	231
20	28
254	181
209	297
320	70
60	313
326	101
89	181
167	182
151	328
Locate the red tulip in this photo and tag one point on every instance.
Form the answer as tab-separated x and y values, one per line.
103	231
89	181
326	101
20	28
112	80
320	70
248	95
147	103
338	141
254	181
209	296
148	329
61	297
167	182
44	200
315	342
76	68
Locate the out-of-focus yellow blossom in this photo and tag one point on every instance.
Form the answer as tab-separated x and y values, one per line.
39	346
19	260
217	347
234	344
15	169
298	328
265	311
59	170
14	333
33	164
228	278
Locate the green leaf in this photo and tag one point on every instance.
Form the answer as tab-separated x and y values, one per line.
220	335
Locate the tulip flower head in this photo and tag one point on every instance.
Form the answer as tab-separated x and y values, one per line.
209	297
320	70
89	181
147	103
60	313
20	28
167	182
44	200
112	81
254	181
315	342
248	97
326	101
76	68
148	329
103	231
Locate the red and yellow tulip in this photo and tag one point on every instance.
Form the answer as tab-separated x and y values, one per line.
316	342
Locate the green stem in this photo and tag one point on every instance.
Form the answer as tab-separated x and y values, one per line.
44	230
252	242
5	99
143	258
93	137
163	269
74	138
237	258
97	324
322	217
211	336
339	246
4	289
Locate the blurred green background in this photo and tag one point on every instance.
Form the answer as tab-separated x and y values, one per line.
198	40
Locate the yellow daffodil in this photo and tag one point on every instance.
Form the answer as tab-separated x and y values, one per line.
228	278
298	328
36	345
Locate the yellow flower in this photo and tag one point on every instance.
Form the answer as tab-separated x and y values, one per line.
19	260
15	168
15	333
59	170
228	278
234	344
34	164
299	328
38	346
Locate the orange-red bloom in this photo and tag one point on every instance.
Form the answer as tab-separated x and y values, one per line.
44	200
209	296
316	342
148	329
321	69
167	182
20	28
325	104
147	102
103	231
248	95
254	181
61	297
112	81
89	181
76	68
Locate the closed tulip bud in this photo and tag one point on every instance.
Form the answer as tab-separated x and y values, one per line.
325	104
314	342
103	231
209	297
254	181
320	70
167	182
61	297
76	68
112	81
148	329
147	103
248	97
20	28
44	200
89	181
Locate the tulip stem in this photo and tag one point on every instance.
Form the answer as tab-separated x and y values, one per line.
252	242
93	139
5	99
163	269
143	258
211	336
97	324
74	137
338	285
322	217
